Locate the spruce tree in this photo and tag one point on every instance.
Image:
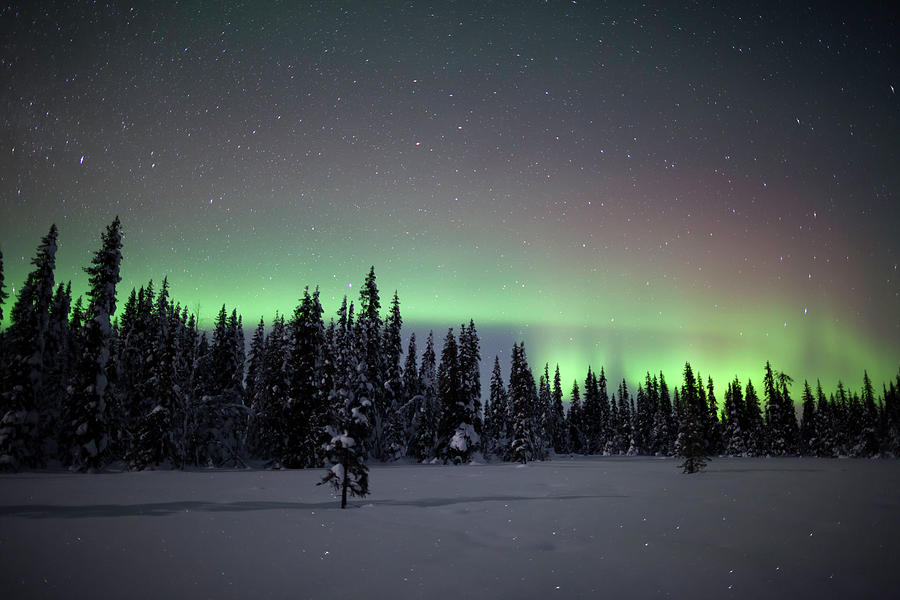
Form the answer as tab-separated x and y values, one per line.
755	431
643	422
781	422
624	418
690	428
713	436
86	421
788	412
351	422
307	401
808	442
667	427
470	429
220	412
543	415
575	422
26	356
538	442
593	416
842	420
256	363
868	441
368	334
269	407
558	417
496	427
825	442
393	443
734	419
61	351
456	433
427	415
606	417
412	396
154	441
521	384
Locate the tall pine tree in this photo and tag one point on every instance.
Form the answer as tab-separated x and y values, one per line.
26	356
86	421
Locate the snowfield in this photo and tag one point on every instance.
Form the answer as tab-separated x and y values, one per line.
568	528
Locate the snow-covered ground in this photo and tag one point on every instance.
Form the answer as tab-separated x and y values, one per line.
568	528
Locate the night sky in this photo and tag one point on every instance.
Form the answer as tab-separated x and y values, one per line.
625	186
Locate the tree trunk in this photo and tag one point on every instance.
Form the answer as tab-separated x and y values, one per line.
345	482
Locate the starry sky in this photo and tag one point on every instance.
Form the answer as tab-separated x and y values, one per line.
625	185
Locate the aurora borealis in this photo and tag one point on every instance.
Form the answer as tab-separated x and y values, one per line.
628	186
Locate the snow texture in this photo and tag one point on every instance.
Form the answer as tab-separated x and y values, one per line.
578	528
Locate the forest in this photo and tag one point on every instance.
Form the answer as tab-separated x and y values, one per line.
145	387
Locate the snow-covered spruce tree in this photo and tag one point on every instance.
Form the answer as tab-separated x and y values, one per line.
412	397
868	441
22	391
690	427
307	404
254	385
495	440
538	443
138	334
841	417
85	421
808	440
575	421
733	420
558	416
704	414
394	417
646	414
714	443
642	421
219	413
154	441
592	416
612	425
469	430
623	420
61	352
755	440
255	361
825	442
351	419
426	417
185	341
368	333
677	410
665	427
543	416
270	406
779	413
450	412
603	400
521	384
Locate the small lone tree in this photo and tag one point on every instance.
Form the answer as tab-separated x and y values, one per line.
352	425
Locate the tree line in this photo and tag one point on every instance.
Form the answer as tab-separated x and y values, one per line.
149	388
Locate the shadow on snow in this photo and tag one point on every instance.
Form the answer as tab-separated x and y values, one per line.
162	509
